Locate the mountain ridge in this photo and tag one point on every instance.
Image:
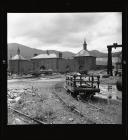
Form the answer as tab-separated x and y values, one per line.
28	52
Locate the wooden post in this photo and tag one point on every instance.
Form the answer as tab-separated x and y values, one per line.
98	82
109	66
109	94
74	81
89	78
109	69
80	80
92	80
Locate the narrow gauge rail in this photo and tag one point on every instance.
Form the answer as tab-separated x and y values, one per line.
91	107
87	102
73	108
28	117
101	110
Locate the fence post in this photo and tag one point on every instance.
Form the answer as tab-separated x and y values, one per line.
92	80
109	94
98	77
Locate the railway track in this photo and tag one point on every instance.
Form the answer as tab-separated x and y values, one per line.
89	105
87	102
26	116
73	109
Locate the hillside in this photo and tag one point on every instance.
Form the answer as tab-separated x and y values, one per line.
98	53
28	52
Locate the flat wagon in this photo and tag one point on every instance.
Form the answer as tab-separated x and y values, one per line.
83	85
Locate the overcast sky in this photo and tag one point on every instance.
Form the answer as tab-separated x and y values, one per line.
65	31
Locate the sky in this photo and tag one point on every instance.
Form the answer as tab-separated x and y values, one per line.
65	31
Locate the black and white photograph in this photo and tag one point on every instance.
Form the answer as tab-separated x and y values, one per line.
64	68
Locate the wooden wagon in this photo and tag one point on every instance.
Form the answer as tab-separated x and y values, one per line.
83	85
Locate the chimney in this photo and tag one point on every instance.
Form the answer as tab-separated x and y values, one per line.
18	51
47	52
60	54
85	45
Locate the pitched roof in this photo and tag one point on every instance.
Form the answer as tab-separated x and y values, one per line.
82	53
18	57
45	56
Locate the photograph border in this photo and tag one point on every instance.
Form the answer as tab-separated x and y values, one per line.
61	130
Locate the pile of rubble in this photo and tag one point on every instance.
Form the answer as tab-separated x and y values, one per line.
14	95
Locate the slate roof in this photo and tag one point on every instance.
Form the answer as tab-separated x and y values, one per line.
83	53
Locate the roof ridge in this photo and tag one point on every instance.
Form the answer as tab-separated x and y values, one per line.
82	53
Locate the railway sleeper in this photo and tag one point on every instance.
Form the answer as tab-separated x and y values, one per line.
84	95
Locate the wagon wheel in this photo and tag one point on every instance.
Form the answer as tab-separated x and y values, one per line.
82	94
68	91
74	94
87	95
92	96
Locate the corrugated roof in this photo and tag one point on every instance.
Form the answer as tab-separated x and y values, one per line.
45	56
82	53
18	57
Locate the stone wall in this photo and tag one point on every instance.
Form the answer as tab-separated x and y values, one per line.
21	66
56	64
47	63
85	63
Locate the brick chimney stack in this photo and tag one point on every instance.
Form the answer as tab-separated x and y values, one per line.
60	54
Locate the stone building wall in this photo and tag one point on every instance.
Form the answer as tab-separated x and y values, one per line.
25	66
65	65
85	63
47	63
56	64
90	63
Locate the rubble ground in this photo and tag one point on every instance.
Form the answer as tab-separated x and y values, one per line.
34	97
